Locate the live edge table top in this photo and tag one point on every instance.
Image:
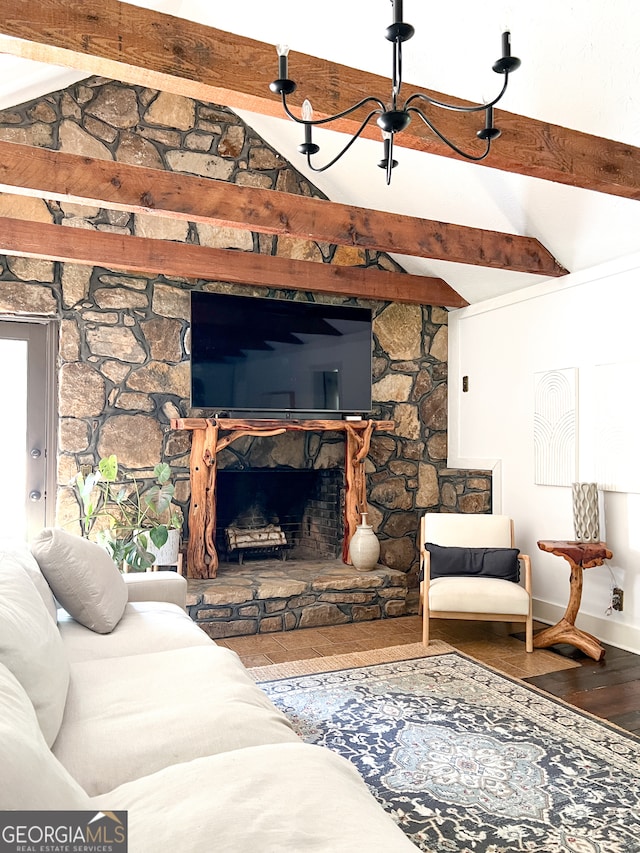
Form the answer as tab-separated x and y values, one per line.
585	554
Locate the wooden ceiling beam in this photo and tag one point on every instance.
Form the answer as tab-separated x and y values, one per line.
70	177
183	260
137	45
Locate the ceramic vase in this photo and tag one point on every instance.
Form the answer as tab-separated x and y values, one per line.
364	548
586	513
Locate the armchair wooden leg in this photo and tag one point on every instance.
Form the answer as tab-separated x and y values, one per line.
529	634
425	620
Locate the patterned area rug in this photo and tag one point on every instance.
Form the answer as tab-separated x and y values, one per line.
471	761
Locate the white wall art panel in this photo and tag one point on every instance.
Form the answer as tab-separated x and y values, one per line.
554	427
615	420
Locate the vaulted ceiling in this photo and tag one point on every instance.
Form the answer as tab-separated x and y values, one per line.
560	190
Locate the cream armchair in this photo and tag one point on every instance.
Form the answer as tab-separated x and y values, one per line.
470	571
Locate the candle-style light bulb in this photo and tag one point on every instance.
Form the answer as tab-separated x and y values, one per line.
307	115
283	53
307	110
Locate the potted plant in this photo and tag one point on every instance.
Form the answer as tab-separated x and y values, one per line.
132	524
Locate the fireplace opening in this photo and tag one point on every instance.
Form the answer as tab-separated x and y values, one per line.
295	513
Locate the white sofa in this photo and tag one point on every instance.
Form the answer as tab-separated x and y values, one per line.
120	702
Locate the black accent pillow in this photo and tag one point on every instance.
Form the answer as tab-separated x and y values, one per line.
474	562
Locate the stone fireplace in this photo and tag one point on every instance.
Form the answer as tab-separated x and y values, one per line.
236	446
296	482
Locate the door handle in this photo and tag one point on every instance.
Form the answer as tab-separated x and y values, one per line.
34	495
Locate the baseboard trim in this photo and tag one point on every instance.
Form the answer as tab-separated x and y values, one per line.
625	637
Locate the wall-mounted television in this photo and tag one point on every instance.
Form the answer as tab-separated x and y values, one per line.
279	358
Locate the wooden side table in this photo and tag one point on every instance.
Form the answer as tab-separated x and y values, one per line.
579	555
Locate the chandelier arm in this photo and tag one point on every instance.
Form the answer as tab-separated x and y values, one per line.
443	138
314	122
419	96
345	149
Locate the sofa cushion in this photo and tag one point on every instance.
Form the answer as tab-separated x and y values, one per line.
31	646
287	798
31	777
146	626
20	552
83	577
130	716
474	562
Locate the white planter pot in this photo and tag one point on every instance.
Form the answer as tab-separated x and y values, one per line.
168	554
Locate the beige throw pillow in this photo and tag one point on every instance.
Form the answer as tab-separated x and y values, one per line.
20	551
83	577
31	777
31	646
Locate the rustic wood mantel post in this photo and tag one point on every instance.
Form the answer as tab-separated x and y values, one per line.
202	472
202	556
355	501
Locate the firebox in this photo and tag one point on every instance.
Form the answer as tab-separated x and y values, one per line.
279	513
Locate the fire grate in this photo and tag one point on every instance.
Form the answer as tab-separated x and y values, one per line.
304	507
257	541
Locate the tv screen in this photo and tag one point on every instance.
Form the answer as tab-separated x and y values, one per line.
250	354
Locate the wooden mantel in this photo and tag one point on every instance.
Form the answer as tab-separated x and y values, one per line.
211	435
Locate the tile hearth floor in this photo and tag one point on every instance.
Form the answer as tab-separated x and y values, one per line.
488	642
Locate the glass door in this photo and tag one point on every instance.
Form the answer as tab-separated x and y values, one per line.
27	427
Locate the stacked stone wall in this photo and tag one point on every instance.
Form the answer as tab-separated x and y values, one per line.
123	362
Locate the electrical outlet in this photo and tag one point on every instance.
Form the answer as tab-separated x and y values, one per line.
85	470
617	598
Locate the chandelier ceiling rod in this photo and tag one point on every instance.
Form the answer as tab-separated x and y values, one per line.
392	118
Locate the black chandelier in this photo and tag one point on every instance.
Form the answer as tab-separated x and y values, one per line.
392	118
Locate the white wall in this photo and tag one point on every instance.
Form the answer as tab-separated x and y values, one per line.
583	320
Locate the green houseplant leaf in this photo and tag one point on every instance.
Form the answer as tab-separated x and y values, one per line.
159	535
108	468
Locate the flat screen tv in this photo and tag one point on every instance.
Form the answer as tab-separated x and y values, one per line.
278	358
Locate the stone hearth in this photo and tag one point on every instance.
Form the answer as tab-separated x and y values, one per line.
262	596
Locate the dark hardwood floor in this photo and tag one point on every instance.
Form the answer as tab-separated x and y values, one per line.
609	688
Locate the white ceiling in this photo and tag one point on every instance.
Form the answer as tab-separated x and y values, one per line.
580	69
